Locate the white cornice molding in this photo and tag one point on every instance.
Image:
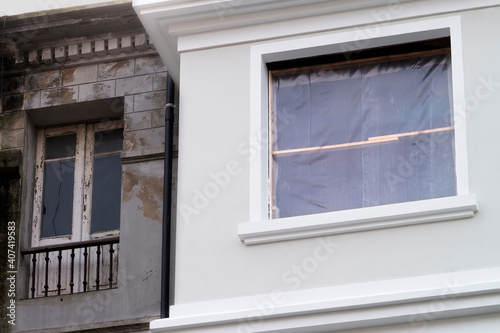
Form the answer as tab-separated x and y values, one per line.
168	20
176	26
412	301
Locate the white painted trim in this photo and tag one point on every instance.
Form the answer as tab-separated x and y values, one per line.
263	231
87	187
362	219
177	26
401	301
458	84
363	16
258	133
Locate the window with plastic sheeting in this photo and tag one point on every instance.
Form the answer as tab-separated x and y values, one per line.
361	133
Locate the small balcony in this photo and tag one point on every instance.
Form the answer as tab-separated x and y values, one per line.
73	267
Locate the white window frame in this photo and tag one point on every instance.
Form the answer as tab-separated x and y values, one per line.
260	229
82	197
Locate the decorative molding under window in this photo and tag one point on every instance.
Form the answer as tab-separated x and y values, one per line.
362	219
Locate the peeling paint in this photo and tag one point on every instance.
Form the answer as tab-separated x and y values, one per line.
32	100
148	189
113	70
129	181
49	79
149	65
68	74
129	145
118	65
60	96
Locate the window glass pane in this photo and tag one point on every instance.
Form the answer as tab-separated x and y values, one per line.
57	209
106	193
108	141
363	136
60	146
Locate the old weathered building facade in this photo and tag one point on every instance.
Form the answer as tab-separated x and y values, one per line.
81	161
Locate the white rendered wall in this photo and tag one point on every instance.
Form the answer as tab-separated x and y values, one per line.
212	264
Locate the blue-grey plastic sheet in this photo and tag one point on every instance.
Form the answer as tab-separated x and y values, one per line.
358	105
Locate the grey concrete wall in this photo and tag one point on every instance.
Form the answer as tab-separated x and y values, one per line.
135	90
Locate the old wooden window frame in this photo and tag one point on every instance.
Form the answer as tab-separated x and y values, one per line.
82	198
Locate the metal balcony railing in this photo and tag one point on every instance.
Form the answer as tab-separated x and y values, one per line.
91	255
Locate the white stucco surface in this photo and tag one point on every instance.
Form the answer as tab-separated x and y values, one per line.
214	99
220	280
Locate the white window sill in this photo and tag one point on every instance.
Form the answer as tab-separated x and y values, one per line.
370	218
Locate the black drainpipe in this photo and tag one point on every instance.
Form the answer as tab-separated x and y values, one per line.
167	199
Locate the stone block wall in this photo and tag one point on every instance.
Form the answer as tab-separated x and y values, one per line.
137	87
84	66
140	81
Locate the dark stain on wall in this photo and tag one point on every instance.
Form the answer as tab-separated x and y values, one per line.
10	203
13	102
44	80
13	85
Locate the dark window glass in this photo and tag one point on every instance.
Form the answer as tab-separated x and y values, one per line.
106	193
108	141
60	146
57	210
